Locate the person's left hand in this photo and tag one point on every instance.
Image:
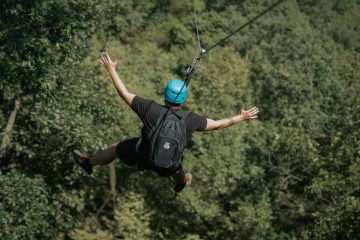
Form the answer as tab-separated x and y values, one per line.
249	114
107	62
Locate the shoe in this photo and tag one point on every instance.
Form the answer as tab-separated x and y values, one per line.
179	187
83	161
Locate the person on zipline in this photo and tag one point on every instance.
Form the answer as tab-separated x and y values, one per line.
136	150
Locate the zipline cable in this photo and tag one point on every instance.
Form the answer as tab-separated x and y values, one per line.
196	62
244	25
197	28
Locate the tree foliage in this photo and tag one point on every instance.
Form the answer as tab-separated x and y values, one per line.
293	174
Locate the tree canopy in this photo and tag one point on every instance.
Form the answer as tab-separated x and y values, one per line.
292	174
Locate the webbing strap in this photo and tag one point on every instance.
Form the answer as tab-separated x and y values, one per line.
190	70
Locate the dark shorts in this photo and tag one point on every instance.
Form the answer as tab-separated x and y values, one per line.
129	153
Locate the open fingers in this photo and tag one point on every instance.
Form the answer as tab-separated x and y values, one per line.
103	57
253	114
106	55
254	111
253	108
106	58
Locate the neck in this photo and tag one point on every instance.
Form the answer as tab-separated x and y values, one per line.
172	107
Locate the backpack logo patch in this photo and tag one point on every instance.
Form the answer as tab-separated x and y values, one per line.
167	145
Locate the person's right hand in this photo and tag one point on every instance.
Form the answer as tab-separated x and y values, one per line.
107	62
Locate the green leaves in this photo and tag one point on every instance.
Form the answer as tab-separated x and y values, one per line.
292	174
27	208
36	38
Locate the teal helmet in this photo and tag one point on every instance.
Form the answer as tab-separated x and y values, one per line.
175	91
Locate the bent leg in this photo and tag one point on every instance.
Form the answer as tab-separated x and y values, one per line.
105	156
179	177
182	180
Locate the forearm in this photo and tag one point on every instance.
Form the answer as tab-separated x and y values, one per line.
223	123
227	122
119	85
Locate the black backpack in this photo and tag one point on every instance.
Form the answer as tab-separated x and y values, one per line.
167	141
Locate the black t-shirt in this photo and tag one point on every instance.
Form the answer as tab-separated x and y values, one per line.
149	112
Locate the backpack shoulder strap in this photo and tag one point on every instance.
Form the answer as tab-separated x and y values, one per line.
181	114
158	123
161	117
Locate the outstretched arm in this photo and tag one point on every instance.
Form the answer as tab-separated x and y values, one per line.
227	122
119	85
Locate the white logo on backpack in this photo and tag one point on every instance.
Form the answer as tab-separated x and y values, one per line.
167	145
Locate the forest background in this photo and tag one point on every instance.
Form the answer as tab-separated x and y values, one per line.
292	174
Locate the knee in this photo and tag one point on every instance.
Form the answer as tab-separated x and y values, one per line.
114	145
113	148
